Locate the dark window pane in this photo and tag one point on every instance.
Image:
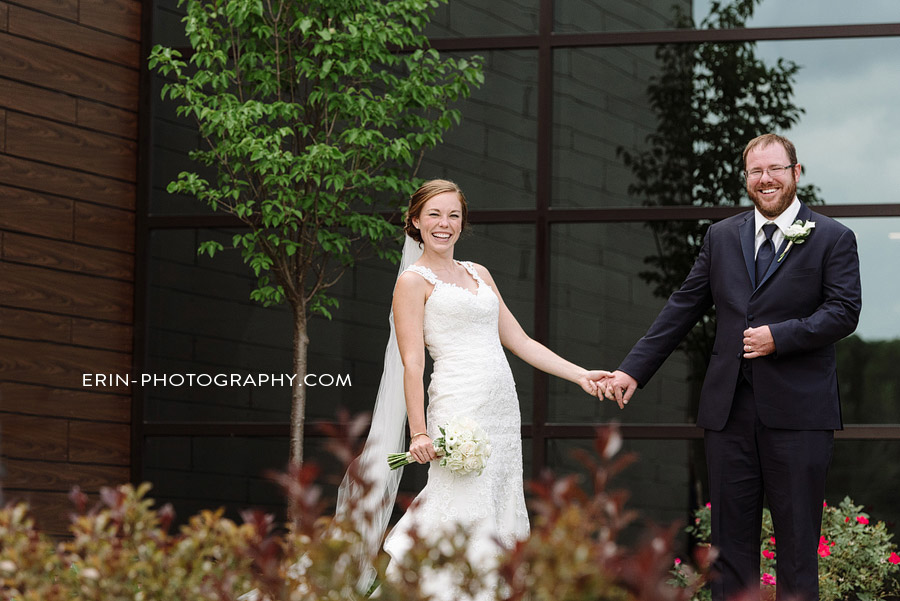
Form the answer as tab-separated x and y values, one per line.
599	307
599	107
865	471
616	15
476	18
492	153
660	482
203	321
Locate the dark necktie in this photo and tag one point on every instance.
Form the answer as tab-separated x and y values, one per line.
766	252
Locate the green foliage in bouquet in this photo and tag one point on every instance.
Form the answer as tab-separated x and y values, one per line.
121	548
857	559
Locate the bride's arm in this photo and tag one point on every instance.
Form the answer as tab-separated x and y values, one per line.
513	337
410	294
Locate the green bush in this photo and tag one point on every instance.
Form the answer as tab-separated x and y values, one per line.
121	549
857	559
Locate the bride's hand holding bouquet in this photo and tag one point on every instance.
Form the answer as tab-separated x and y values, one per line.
464	448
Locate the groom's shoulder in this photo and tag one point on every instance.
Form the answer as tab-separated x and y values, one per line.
827	224
825	220
733	221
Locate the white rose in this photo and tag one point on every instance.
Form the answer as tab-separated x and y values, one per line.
468	448
472	463
793	230
455	463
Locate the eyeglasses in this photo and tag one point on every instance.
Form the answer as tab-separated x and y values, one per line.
773	171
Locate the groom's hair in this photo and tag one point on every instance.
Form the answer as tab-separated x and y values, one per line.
426	191
767	139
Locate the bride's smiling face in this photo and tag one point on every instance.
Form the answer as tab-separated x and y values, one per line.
441	221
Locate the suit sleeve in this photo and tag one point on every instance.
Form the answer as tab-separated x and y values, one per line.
682	311
838	314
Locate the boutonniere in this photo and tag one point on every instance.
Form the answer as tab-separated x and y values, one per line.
797	234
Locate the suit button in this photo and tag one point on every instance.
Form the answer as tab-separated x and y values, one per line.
750	317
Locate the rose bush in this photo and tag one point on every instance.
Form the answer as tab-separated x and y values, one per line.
857	558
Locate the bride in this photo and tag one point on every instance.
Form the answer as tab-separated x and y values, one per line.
453	309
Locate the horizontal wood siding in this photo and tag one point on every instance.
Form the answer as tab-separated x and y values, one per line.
69	75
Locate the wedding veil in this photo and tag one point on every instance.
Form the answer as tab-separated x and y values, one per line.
371	510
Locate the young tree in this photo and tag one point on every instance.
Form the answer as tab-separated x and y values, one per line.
710	99
310	111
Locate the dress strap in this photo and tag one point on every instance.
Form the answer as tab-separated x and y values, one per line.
425	273
470	267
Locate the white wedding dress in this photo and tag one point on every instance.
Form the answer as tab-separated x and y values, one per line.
471	378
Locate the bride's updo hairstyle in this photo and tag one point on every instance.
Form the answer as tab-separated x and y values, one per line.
425	192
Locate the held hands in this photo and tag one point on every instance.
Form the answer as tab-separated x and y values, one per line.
591	381
618	387
758	342
421	448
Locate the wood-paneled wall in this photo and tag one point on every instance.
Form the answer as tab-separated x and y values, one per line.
69	75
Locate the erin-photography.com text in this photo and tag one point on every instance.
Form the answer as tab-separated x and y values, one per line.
114	380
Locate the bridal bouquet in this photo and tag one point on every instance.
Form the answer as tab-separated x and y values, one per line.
463	448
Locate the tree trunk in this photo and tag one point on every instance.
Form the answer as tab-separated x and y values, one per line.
298	389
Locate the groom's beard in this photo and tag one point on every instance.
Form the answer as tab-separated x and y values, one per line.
774	205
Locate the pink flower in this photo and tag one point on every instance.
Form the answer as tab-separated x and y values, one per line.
768	554
772	540
708	505
677	561
894	558
862	519
824	503
767	578
847	519
824	547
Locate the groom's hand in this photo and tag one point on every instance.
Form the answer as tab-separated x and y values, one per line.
619	388
758	342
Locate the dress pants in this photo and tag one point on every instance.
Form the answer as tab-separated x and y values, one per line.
747	460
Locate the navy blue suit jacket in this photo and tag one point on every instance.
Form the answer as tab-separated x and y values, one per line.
810	300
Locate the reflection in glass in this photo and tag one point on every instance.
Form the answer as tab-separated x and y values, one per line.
868	360
599	106
476	18
848	90
640	15
776	13
492	153
664	128
600	305
202	320
617	15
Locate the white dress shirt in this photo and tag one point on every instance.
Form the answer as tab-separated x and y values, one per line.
783	221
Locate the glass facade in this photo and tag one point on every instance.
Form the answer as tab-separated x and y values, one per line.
572	232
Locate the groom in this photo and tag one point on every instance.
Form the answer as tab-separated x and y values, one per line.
784	294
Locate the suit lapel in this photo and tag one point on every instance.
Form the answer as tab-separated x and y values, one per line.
748	246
